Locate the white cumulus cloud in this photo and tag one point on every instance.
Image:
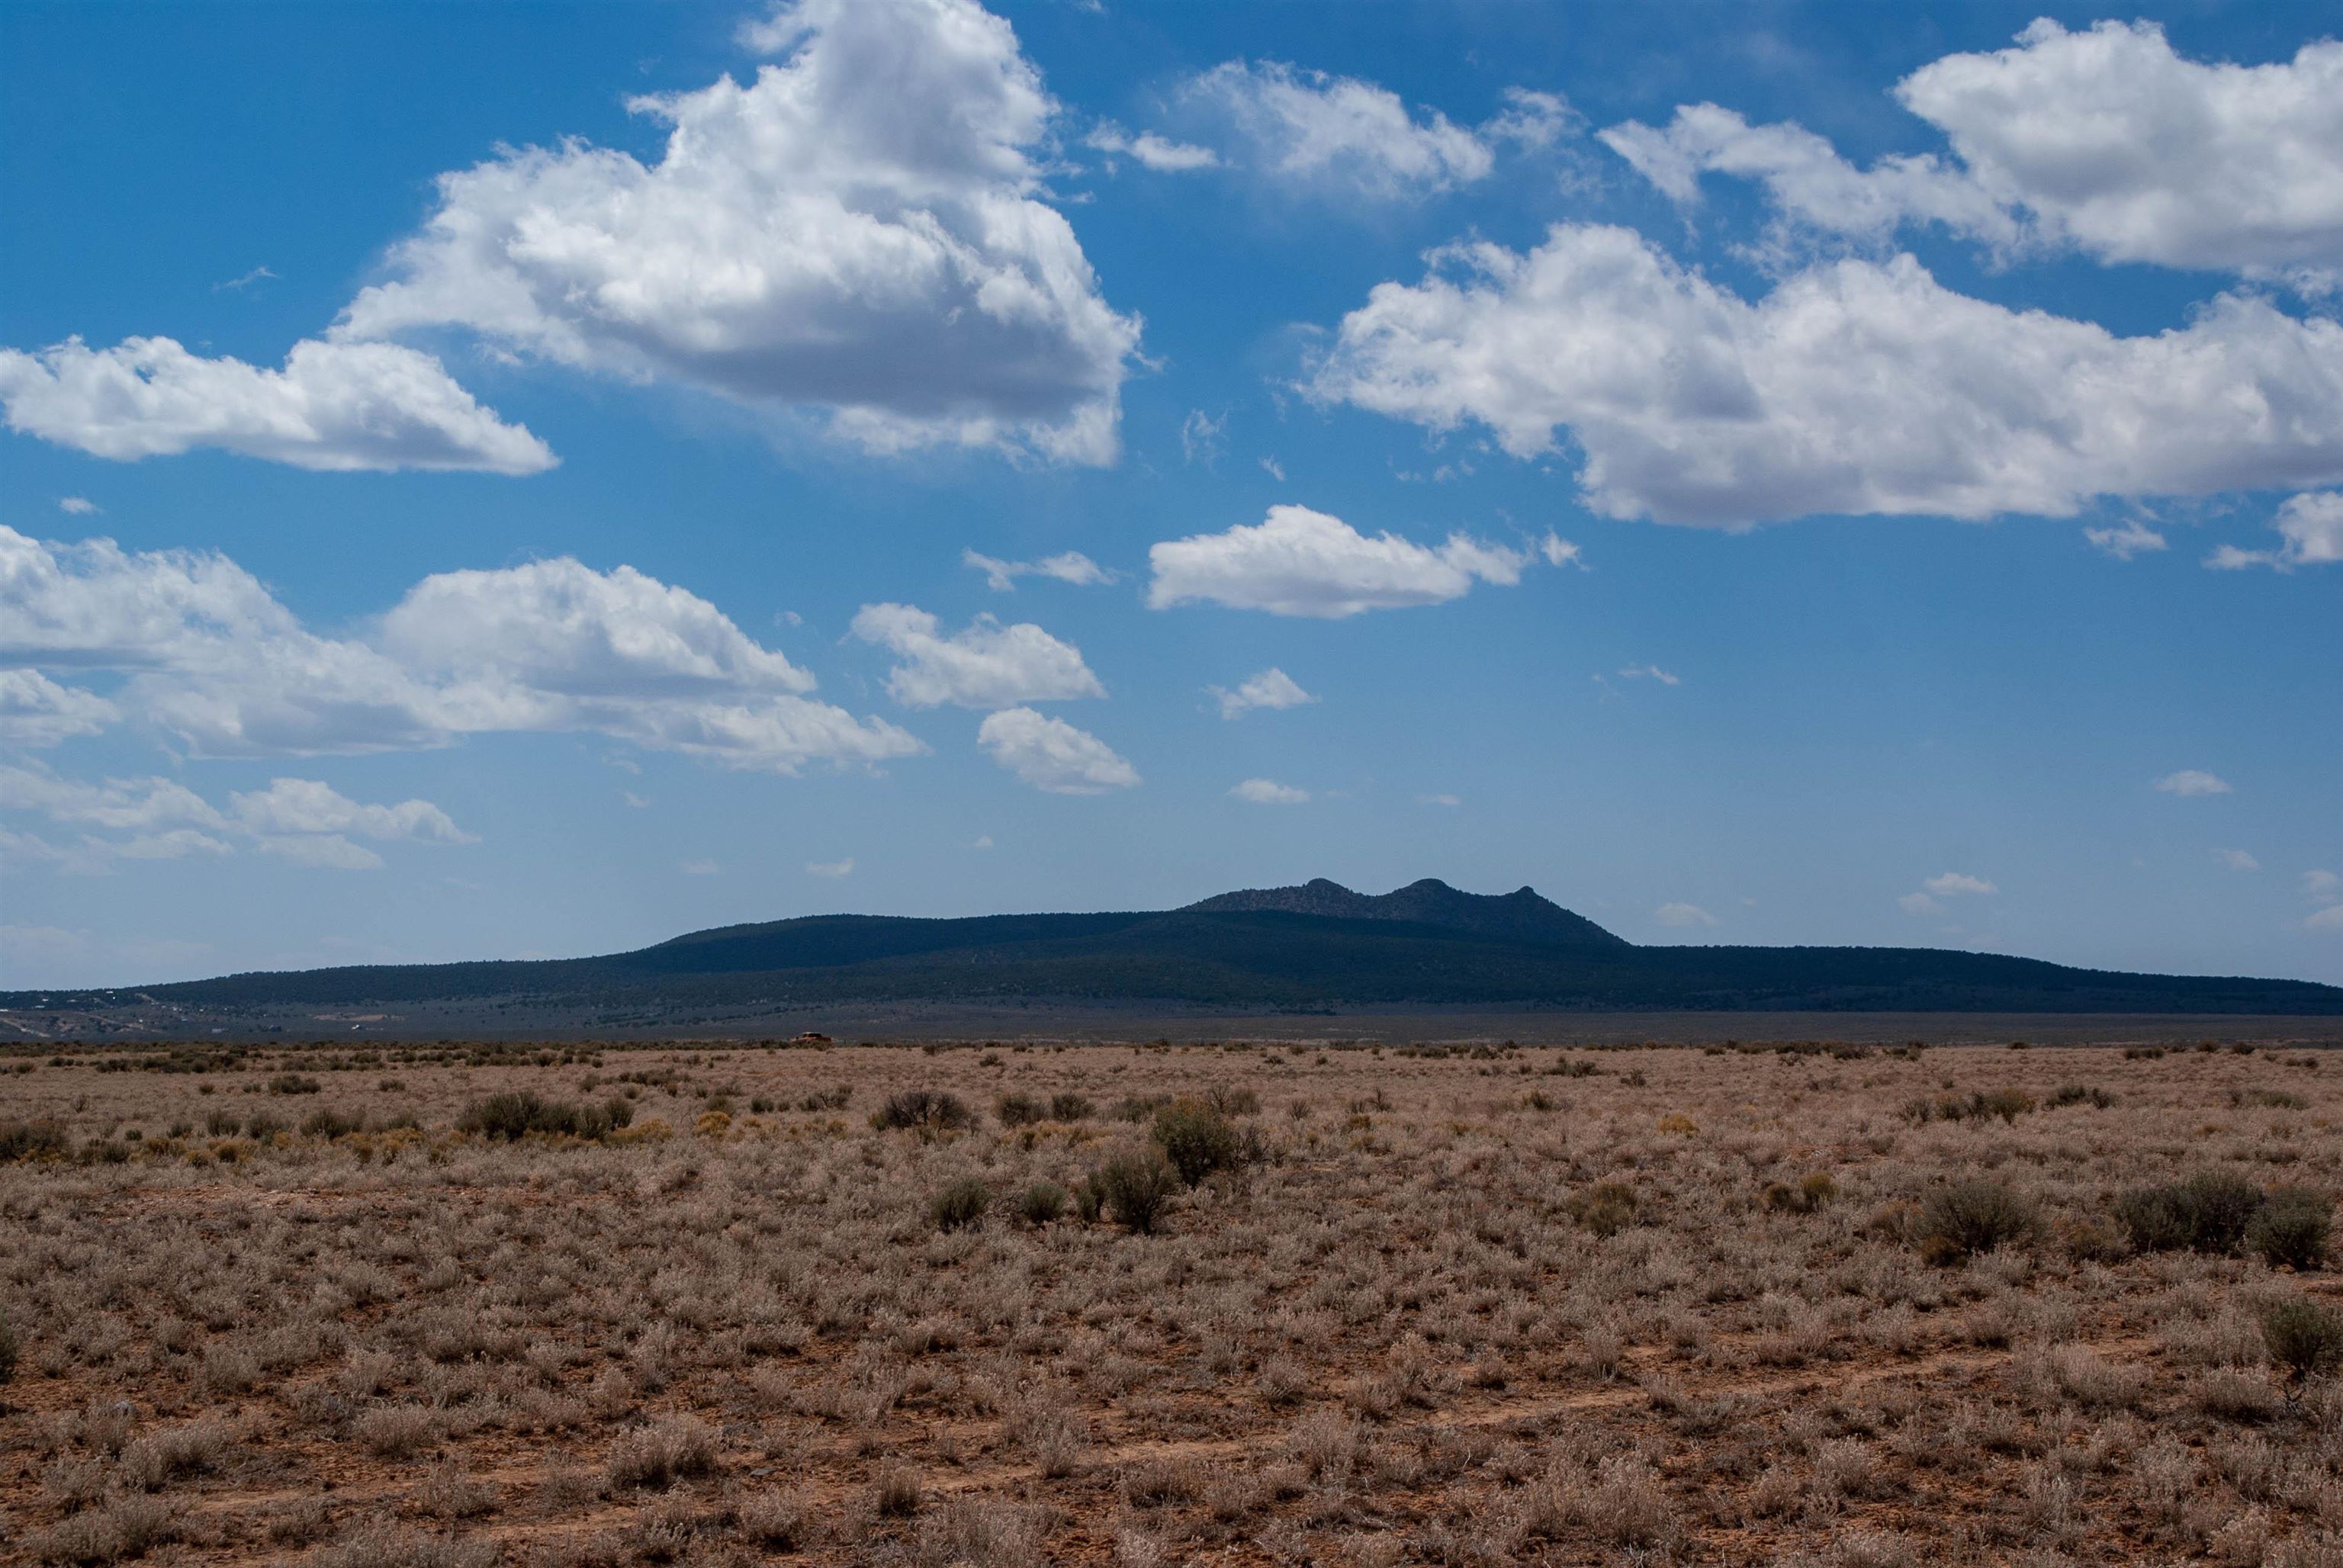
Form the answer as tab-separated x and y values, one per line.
802	241
1052	755
1269	792
1272	689
1308	126
35	711
1684	915
300	819
210	655
1854	386
1299	562
2310	534
2105	142
1952	883
988	665
336	405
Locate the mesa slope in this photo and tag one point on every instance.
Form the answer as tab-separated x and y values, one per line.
1317	946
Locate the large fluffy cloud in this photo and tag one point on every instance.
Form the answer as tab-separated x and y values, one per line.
334	405
989	665
804	240
206	652
1051	754
1304	563
2103	141
1853	388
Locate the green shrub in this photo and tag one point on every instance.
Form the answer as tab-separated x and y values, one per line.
1018	1109
293	1083
2082	1094
827	1099
1197	1139
326	1122
7	1351
1606	1208
1813	1190
2155	1218
2303	1337
516	1113
961	1203
1090	1198
1233	1099
32	1141
923	1110
1959	1222
1134	1188
1070	1108
2009	1104
2291	1228
2209	1212
261	1126
1041	1203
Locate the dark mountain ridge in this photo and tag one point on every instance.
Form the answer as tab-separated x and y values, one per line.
1315	946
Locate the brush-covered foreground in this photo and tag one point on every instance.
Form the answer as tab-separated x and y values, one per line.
1844	1307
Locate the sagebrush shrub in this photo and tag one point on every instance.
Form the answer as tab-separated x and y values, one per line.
32	1141
516	1113
924	1111
2209	1212
1042	1202
1070	1108
2303	1337
1959	1222
960	1204
655	1455
2291	1228
1134	1190
1197	1139
1606	1208
1018	1109
1813	1190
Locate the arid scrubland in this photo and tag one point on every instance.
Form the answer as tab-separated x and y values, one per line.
1858	1308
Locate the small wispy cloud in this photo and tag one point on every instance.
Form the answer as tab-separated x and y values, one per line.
2190	782
1272	688
699	868
1653	672
77	506
1073	566
1682	915
844	868
2132	538
234	285
2237	859
1269	792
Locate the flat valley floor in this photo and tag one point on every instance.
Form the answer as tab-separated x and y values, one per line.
1856	1308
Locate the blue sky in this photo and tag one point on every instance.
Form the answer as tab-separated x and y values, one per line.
1756	475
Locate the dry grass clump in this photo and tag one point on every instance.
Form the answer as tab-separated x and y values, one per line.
1323	1302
